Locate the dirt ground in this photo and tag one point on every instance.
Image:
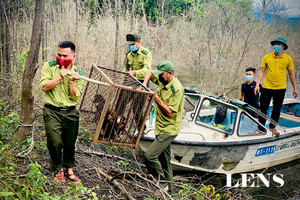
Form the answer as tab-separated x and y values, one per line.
120	173
123	167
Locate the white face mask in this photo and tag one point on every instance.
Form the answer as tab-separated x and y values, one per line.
248	77
132	48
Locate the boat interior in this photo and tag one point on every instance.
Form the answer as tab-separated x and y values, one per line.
222	116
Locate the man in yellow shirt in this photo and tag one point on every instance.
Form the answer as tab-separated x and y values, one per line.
61	118
169	109
274	66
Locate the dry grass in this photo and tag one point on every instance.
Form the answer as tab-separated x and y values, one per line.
210	53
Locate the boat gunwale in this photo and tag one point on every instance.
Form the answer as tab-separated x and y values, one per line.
232	143
239	111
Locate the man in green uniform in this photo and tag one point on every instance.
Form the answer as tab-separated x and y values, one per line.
137	64
169	109
61	118
138	58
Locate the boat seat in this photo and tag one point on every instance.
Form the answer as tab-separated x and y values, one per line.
225	123
290	117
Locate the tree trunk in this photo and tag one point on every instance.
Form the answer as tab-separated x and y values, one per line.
27	114
5	50
76	22
2	51
132	16
44	44
263	11
117	3
127	9
2	38
10	45
7	41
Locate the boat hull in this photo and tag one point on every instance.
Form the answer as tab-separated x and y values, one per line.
232	157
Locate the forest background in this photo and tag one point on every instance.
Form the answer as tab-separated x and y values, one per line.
210	42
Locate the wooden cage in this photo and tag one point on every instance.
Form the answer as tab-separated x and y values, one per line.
115	107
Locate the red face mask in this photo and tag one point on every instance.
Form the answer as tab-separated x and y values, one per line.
63	62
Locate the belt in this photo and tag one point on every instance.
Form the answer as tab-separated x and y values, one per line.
60	109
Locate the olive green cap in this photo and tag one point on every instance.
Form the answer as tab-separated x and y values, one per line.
132	38
281	40
163	66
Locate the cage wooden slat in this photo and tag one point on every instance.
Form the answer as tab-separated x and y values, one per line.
106	78
96	136
115	107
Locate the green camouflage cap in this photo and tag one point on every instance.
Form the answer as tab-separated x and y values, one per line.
163	66
132	38
281	40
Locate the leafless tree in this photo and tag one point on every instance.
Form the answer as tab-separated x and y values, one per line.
132	16
31	65
118	8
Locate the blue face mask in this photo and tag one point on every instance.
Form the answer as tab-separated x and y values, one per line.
132	48
248	77
277	48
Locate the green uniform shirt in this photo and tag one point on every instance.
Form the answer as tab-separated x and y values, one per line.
172	95
139	62
60	96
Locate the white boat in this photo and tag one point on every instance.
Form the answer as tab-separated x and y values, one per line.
230	142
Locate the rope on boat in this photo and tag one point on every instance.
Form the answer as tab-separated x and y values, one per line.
259	113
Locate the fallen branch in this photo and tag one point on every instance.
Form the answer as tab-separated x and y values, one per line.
138	164
10	189
116	183
107	155
98	175
137	184
133	173
143	178
196	191
185	180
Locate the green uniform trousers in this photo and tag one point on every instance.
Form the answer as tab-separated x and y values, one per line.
61	132
158	160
